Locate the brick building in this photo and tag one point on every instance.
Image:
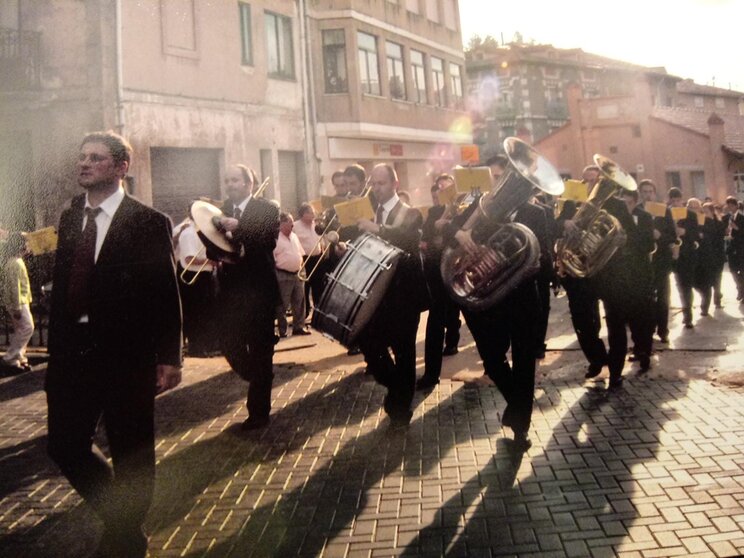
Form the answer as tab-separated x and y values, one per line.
699	150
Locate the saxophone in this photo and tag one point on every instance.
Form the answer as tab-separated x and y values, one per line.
512	253
599	235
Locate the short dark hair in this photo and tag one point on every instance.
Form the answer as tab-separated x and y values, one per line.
591	168
434	188
118	147
500	160
631	193
731	200
304	208
285	217
356	170
674	193
647	182
390	170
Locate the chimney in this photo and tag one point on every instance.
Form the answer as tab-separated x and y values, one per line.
717	185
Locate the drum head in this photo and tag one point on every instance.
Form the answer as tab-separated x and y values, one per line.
202	214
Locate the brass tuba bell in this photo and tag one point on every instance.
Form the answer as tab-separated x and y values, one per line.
512	252
598	234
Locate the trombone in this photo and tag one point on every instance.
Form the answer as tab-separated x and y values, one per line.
331	237
202	251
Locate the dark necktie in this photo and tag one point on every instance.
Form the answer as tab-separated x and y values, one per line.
378	217
83	263
237	213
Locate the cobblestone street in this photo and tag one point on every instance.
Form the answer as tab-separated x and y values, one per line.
653	469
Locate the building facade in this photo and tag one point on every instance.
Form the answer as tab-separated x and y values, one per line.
292	88
388	86
697	150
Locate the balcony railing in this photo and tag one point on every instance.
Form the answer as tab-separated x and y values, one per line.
20	66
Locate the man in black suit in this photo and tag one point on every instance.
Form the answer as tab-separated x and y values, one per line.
665	234
514	321
734	220
583	302
443	321
249	291
114	342
395	323
688	232
625	286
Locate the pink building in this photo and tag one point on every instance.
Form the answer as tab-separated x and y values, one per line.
693	146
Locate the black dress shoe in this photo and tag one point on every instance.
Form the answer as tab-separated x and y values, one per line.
645	363
254	423
664	339
521	442
400	420
426	382
616	383
688	325
303	331
592	371
449	351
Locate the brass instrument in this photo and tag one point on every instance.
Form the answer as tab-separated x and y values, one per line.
330	237
512	253
205	217
586	251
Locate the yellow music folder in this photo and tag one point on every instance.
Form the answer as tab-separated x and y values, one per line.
42	241
700	217
576	190
679	213
473	178
317	206
351	211
655	208
326	202
448	195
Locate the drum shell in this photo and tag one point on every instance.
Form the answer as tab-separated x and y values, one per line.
355	288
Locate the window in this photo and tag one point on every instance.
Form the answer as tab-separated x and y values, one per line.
456	85
419	76
437	75
698	184
673	180
279	46
432	10
720	102
334	60
396	79
699	102
369	72
246	45
739	182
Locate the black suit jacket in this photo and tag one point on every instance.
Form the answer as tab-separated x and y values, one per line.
254	275
135	310
402	229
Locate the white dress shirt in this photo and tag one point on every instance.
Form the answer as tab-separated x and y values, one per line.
388	206
104	217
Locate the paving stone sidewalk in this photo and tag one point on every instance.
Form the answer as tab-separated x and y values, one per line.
654	469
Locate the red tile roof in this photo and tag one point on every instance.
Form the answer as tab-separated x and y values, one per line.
697	120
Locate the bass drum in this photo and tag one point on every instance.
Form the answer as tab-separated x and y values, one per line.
355	288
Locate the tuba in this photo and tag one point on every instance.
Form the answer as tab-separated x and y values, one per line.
599	234
512	252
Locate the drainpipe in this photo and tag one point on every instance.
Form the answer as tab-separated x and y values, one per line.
308	99
119	112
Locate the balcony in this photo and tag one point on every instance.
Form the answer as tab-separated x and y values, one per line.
20	65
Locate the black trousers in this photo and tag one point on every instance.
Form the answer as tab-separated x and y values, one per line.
315	285
442	324
632	312
84	387
661	302
543	291
684	286
393	330
512	323
583	304
198	306
248	344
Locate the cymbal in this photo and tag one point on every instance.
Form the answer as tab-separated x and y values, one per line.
203	214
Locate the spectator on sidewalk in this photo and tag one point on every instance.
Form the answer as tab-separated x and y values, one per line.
304	228
288	258
16	296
